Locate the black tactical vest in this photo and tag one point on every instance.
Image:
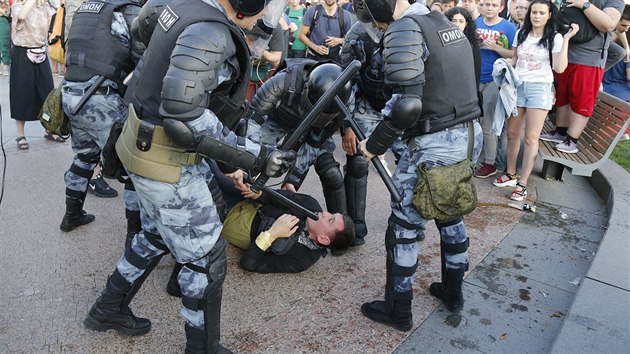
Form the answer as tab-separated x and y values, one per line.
287	113
450	89
371	79
227	100
91	48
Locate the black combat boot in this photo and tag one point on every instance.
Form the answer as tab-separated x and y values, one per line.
111	310
173	288
450	289
399	317
75	216
196	342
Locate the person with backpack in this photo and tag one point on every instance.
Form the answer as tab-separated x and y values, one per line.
323	29
579	84
538	49
296	12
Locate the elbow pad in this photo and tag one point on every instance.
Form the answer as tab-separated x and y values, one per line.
404	114
181	134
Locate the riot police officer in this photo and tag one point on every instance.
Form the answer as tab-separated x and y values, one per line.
101	52
189	93
432	109
370	96
279	106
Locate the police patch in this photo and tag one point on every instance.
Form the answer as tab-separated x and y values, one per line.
167	18
451	35
91	7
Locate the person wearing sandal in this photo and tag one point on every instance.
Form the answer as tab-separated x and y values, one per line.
537	50
52	137
31	78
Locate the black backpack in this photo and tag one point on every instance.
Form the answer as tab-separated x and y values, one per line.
569	15
294	79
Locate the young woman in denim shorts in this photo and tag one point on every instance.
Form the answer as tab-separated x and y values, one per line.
534	97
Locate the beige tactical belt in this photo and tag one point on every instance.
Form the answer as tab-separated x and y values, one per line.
161	162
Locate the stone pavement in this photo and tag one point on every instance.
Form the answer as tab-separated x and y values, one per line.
525	272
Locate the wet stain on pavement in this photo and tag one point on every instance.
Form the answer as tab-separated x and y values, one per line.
521	278
524	294
485	321
518	307
474	312
454	320
508	263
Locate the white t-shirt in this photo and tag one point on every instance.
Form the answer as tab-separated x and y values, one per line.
533	63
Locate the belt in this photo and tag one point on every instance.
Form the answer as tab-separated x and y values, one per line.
103	90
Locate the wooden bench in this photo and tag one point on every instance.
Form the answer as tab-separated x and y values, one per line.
605	127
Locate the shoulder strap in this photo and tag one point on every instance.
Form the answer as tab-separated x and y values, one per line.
341	18
318	9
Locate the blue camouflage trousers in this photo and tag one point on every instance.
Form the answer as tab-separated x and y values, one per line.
90	130
367	119
442	148
271	133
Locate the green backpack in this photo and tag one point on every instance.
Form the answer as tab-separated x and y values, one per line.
52	116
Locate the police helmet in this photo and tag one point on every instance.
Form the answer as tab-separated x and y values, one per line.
368	11
248	8
320	80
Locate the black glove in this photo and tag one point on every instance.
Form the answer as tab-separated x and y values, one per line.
278	162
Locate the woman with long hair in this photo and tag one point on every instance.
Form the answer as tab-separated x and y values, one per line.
537	50
31	78
462	19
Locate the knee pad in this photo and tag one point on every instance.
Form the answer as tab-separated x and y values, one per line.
215	270
91	157
328	170
356	166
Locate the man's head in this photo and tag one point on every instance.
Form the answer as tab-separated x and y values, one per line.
492	8
624	23
335	231
447	5
244	13
521	10
470	6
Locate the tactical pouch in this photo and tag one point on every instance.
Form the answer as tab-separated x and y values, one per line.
112	166
52	117
444	193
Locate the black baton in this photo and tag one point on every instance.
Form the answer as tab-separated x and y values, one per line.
376	161
88	94
284	200
305	125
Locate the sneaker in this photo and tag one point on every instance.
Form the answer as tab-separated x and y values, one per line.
100	188
567	146
485	170
507	180
553	136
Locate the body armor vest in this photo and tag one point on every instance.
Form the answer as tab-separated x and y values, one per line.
371	80
227	100
287	113
450	92
110	57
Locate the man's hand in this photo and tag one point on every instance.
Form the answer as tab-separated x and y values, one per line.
349	142
278	162
237	177
362	148
246	192
321	49
289	187
333	41
284	226
575	3
573	30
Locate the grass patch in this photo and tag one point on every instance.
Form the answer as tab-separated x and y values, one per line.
621	154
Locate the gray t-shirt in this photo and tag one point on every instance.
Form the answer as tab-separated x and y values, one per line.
590	53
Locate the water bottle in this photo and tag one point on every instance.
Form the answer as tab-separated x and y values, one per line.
522	206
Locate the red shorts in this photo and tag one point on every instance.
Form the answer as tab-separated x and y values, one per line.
578	86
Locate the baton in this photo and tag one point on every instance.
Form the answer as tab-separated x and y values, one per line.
88	94
284	200
376	162
305	125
